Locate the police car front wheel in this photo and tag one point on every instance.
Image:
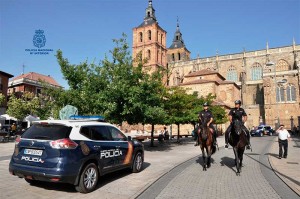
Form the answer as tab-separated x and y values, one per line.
88	179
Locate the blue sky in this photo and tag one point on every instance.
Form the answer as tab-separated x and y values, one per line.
84	29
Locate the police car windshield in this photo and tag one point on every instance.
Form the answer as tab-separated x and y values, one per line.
47	132
260	127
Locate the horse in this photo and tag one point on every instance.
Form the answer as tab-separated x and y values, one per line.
238	140
205	139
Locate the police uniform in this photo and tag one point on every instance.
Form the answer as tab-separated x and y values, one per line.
205	116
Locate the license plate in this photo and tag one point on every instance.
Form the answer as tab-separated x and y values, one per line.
33	152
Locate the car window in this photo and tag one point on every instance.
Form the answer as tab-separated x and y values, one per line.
100	133
268	128
260	127
85	130
116	134
47	132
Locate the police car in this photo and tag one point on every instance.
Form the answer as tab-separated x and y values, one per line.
77	152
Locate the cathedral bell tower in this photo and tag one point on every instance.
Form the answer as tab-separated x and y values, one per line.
149	39
177	51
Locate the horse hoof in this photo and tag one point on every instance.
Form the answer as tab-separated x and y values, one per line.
238	174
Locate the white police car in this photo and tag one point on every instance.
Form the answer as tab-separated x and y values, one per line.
75	152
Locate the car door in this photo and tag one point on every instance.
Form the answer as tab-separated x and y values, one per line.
123	144
102	144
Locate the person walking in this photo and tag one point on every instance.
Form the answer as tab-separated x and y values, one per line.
283	138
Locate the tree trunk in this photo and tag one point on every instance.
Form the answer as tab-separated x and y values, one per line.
178	132
152	135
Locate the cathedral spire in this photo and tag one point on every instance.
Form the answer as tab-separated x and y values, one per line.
150	12
177	40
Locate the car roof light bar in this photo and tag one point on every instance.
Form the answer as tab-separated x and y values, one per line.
87	118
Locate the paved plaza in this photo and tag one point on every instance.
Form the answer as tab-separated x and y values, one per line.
174	170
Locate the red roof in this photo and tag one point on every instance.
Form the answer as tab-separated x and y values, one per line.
199	81
37	77
201	73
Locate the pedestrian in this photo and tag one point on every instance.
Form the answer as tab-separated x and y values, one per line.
283	138
166	134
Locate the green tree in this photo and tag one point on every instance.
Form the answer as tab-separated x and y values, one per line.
2	98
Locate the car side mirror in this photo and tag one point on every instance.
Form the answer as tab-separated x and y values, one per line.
129	138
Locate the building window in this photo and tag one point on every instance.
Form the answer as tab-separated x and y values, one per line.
149	34
157	55
282	65
141	36
177	38
256	72
161	38
173	57
148	54
148	14
279	94
291	93
232	74
179	56
157	36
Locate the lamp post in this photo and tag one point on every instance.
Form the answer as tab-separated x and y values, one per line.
292	123
275	84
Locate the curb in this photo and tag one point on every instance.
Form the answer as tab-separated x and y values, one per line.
275	170
142	190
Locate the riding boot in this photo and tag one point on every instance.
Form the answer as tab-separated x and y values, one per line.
227	136
248	141
215	138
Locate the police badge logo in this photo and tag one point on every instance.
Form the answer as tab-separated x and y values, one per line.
39	39
84	148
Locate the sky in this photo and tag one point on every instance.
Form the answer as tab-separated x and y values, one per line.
84	29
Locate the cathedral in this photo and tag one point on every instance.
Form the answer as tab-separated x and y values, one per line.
267	80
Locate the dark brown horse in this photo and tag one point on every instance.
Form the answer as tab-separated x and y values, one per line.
238	140
205	139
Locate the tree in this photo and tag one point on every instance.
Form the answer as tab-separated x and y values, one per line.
2	98
180	107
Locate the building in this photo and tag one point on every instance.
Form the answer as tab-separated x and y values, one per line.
4	77
267	80
30	82
149	39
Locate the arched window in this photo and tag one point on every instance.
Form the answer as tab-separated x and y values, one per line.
149	34
232	74
173	57
290	93
256	71
282	65
161	38
149	54
141	36
280	94
179	56
148	13
157	56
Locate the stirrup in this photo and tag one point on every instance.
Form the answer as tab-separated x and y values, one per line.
226	146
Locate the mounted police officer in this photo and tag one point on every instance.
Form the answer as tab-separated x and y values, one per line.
206	118
237	113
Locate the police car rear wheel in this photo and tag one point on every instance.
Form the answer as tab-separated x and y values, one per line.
88	179
137	163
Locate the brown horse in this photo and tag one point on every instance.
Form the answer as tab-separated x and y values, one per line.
205	139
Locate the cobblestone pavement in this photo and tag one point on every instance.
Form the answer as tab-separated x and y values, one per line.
257	179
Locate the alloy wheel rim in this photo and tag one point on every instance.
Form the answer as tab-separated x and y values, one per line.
90	178
139	162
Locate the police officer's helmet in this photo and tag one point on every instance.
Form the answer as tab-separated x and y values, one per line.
205	104
237	102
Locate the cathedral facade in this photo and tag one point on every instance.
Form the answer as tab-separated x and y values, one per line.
267	80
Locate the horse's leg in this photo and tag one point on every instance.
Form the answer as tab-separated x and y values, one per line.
204	158
208	155
237	164
241	154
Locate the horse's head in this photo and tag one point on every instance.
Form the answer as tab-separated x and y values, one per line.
203	132
237	126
